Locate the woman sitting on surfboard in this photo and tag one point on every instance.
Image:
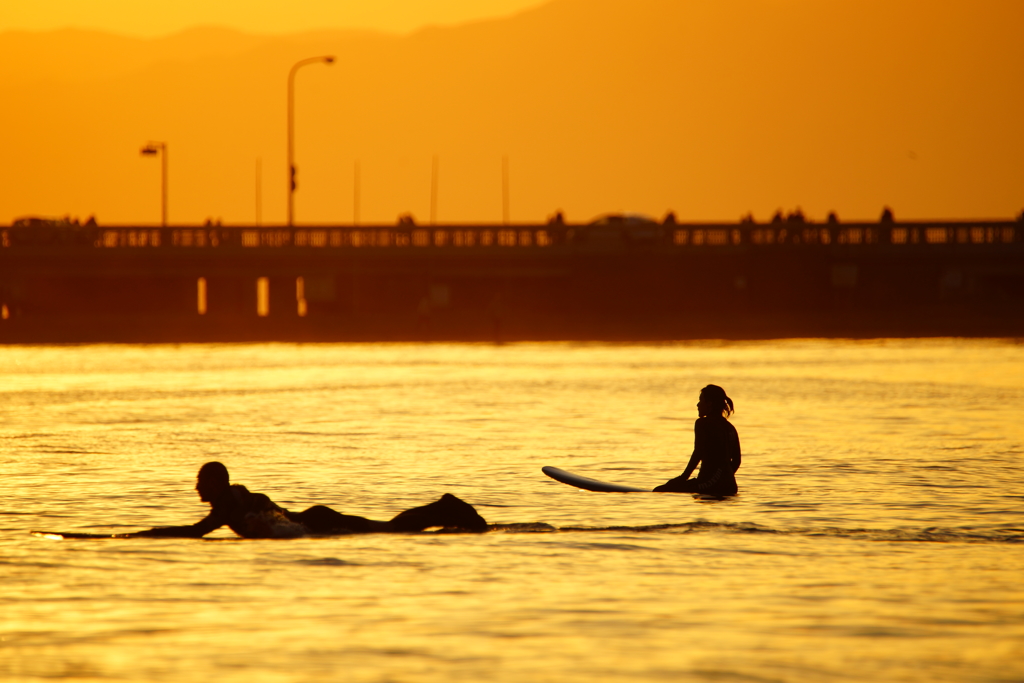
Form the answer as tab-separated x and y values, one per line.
716	448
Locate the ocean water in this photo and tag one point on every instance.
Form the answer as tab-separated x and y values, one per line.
878	534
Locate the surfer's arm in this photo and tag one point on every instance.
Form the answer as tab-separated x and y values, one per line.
700	447
204	526
736	455
700	438
690	466
676	484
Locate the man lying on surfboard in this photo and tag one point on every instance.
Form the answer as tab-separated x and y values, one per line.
254	515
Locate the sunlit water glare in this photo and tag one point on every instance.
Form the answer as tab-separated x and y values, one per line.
878	534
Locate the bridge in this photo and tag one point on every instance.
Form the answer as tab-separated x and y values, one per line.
616	280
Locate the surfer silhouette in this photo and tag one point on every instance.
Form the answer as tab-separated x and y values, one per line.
716	448
254	515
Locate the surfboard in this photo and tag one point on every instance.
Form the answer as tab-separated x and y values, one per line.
63	535
588	484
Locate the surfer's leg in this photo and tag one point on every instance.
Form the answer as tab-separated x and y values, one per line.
321	519
726	487
448	511
723	483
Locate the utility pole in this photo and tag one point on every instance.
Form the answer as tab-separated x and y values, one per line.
328	59
433	193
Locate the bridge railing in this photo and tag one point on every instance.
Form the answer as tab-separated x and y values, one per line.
675	236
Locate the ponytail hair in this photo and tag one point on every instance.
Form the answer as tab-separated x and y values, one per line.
715	395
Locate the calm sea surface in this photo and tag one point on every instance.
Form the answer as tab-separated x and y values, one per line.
878	534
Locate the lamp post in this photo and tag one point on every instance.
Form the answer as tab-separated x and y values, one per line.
327	59
161	149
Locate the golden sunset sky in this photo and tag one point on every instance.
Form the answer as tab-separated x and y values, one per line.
709	109
154	18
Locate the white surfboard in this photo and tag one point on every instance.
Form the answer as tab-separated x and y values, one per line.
65	535
588	484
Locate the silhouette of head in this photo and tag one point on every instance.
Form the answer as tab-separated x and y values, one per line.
213	478
713	401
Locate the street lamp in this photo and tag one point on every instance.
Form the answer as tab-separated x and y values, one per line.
160	148
328	59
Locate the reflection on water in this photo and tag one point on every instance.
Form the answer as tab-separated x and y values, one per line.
877	533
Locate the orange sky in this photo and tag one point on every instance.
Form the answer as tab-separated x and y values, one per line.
150	18
710	109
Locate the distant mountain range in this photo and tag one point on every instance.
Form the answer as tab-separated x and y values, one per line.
708	109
